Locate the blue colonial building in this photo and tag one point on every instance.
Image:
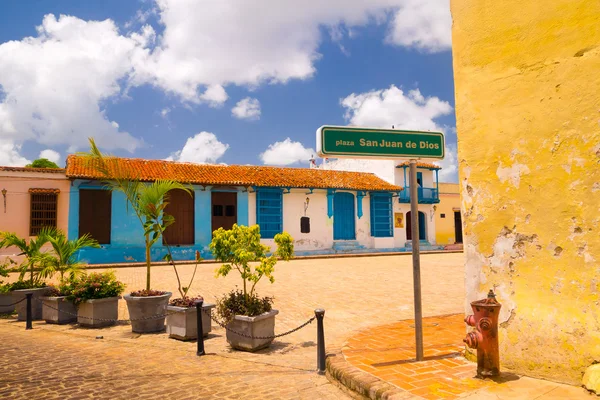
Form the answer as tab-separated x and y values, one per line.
325	211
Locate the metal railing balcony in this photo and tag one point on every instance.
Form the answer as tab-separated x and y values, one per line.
426	195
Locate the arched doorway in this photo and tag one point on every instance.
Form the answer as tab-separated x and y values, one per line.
422	227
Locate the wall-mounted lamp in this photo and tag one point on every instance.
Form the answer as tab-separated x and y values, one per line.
432	213
306	205
4	196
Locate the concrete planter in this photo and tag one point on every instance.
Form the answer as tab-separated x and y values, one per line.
36	303
6	298
143	307
183	325
261	325
97	313
58	310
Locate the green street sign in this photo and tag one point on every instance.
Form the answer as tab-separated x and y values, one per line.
356	142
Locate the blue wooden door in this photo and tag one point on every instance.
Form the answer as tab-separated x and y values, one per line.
343	216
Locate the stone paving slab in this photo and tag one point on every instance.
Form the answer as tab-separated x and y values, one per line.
355	292
387	354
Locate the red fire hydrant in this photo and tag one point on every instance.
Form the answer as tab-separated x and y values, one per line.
485	336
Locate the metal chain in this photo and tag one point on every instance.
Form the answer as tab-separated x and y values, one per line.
224	326
157	316
14	304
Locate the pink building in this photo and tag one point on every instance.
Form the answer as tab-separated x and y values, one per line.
32	198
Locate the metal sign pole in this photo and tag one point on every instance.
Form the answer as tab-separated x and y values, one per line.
414	222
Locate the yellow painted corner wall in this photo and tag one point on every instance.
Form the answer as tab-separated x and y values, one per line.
449	202
527	79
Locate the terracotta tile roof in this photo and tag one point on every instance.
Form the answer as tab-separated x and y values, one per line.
44	191
230	175
420	165
29	169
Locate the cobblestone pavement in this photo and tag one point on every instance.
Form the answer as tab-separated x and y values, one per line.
68	362
387	352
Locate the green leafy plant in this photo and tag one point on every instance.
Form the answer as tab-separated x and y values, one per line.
42	163
147	200
5	269
64	288
239	248
62	259
95	286
236	303
35	263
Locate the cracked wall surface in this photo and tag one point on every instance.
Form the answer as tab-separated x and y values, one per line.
527	78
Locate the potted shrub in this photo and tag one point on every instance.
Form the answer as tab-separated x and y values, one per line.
244	311
182	318
182	321
148	201
97	297
57	308
34	266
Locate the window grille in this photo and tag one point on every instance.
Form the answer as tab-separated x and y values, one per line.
269	212
381	215
43	210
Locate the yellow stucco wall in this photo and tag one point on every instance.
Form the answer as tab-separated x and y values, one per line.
527	76
449	201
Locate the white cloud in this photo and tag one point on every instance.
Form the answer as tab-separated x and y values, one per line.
54	83
165	112
392	107
202	148
247	108
10	154
215	95
51	155
449	171
246	43
286	153
384	108
422	24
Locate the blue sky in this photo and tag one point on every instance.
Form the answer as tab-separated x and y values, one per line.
227	81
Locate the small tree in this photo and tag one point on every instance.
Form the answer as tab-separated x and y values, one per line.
42	163
147	200
240	248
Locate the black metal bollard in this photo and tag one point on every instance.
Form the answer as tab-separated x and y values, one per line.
320	314
29	316
200	351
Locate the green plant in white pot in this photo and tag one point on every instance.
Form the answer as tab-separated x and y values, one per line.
240	249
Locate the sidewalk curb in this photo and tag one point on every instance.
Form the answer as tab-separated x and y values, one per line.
312	257
362	384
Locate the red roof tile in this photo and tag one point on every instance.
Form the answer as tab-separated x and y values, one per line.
420	164
230	175
29	169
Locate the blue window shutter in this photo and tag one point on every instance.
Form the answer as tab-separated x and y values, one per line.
382	217
269	212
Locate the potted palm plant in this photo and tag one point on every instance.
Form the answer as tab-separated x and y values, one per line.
33	266
244	311
148	201
97	297
57	308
